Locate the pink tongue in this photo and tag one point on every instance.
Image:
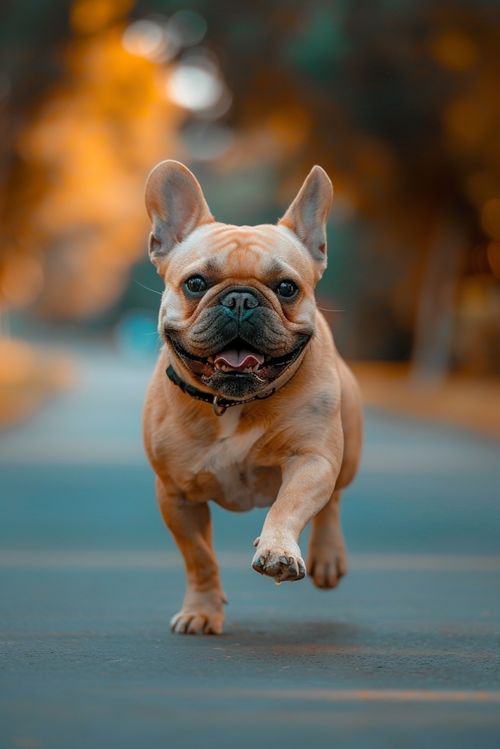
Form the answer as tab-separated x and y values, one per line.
238	359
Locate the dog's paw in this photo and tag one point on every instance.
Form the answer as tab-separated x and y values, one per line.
201	614
197	623
280	562
327	564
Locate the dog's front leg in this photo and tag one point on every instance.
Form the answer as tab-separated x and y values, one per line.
308	482
202	611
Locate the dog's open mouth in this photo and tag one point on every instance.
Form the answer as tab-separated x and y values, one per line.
239	359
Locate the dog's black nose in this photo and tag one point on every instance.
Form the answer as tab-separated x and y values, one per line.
240	303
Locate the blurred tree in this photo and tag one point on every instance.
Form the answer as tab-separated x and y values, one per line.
31	38
398	101
79	149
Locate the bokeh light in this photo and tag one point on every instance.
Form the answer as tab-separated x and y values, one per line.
194	86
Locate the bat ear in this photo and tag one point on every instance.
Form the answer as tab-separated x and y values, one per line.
308	213
176	206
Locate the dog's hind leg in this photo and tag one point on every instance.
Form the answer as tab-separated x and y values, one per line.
202	611
327	558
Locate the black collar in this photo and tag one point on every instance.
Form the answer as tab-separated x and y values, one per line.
219	404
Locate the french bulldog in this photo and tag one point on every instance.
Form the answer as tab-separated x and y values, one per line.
250	405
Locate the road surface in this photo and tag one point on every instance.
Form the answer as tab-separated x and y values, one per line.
404	654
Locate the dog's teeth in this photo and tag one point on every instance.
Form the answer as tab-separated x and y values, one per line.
225	368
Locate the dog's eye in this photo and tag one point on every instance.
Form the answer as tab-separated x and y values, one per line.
287	289
196	285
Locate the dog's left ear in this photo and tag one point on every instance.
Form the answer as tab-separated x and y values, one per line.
308	214
176	206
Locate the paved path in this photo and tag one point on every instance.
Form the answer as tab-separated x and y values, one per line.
404	654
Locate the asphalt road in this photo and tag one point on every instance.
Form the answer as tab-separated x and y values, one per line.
404	654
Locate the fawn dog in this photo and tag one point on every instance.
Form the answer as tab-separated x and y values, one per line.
250	404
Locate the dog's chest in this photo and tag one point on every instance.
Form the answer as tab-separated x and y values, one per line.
240	484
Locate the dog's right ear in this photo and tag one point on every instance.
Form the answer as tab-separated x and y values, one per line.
176	206
308	214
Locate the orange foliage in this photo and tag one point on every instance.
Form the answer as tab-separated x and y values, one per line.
27	378
88	148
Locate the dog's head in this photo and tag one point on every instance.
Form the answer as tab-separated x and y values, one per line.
238	307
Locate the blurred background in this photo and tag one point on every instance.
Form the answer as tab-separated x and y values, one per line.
398	101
